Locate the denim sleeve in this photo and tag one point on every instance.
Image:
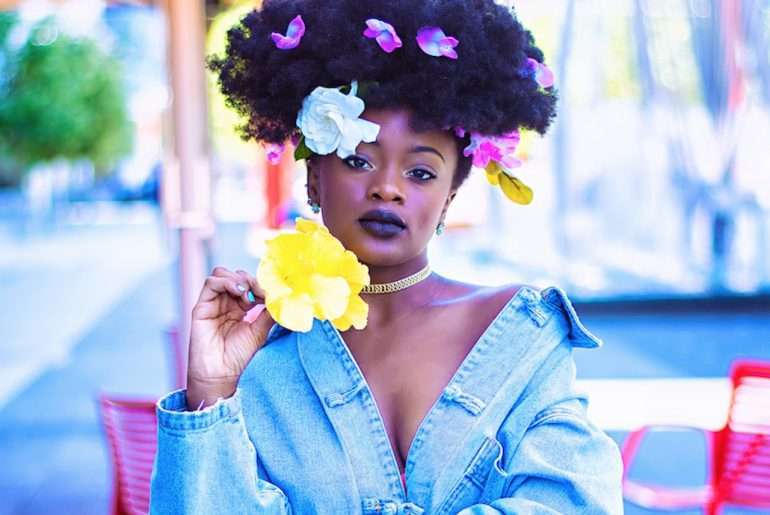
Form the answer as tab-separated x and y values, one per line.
564	464
206	464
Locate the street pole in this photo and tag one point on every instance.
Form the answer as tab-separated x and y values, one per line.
188	200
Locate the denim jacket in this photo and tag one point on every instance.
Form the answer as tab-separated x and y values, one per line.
302	433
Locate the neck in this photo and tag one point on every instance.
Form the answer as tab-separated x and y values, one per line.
386	307
390	273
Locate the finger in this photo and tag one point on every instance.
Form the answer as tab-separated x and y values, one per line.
253	314
261	325
238	276
259	292
213	287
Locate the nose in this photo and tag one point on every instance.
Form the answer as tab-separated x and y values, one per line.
386	185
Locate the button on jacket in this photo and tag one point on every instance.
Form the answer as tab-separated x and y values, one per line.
302	433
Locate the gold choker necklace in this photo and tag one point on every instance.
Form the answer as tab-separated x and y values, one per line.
401	284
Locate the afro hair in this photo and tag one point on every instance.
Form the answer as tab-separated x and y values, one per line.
486	90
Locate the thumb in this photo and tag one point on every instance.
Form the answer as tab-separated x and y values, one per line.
260	322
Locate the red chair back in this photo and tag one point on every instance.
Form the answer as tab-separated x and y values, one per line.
130	426
741	460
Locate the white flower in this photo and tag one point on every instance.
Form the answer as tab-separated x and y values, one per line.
330	121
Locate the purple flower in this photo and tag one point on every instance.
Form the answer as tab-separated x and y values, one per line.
384	33
433	41
543	74
493	148
293	34
274	152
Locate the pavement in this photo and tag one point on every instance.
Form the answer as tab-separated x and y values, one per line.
104	324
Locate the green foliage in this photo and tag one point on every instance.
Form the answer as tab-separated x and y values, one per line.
62	98
302	151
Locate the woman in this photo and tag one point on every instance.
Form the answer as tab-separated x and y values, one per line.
452	397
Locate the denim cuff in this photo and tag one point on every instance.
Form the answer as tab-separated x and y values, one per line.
172	411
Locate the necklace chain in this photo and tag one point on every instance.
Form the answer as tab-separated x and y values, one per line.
401	284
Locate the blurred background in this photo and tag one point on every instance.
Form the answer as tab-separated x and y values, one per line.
123	183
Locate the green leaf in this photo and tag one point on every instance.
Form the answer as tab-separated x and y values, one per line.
365	87
302	151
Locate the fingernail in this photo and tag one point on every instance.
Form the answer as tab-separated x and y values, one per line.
251	297
241	287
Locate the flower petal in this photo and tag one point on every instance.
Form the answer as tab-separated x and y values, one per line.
330	296
383	33
293	36
434	42
355	315
293	312
492	171
308	226
274	151
389	42
540	72
515	190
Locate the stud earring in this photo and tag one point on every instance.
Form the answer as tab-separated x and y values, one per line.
440	228
315	208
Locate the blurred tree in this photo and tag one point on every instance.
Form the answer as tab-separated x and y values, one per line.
60	98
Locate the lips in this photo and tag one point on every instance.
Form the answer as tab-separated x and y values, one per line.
381	223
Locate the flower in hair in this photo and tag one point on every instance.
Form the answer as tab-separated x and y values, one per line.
433	41
542	73
329	121
511	186
308	274
493	148
274	151
293	36
383	33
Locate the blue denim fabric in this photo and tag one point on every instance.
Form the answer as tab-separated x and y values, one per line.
302	434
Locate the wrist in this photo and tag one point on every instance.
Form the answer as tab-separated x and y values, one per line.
202	395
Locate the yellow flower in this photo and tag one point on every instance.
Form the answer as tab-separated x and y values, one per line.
513	188
308	274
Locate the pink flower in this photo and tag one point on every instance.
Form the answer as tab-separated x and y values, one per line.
433	41
494	148
543	74
274	152
293	36
384	33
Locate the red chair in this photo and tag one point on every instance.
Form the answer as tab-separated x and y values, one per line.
130	427
739	453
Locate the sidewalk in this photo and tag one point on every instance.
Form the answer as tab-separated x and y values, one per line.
54	455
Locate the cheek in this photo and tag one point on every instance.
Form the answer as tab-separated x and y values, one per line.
429	213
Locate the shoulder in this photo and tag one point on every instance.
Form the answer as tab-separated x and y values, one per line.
278	351
490	300
550	303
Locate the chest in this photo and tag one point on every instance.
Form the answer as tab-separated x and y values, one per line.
407	368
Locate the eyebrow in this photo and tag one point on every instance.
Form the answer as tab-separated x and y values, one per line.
417	149
422	148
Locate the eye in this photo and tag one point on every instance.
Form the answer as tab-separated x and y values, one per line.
356	162
421	174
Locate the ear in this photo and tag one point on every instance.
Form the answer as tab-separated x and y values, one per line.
448	201
313	182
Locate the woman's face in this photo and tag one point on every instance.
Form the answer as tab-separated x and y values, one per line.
384	202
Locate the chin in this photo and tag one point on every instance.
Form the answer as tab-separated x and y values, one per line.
378	255
373	251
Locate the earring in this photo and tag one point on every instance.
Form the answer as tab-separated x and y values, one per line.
315	208
440	228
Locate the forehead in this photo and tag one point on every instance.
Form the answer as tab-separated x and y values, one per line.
395	129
